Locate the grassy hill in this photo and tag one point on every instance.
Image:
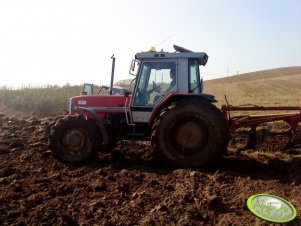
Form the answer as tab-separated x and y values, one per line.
281	86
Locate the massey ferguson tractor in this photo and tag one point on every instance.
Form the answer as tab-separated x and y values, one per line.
165	105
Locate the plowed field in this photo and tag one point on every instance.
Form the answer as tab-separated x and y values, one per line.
130	187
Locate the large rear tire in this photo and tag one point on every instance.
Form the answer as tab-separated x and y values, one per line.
72	138
190	133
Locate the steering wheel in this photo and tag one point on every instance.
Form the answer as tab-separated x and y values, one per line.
156	87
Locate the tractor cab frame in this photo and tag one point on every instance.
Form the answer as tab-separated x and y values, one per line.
160	77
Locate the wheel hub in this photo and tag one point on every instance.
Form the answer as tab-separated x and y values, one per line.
74	140
189	136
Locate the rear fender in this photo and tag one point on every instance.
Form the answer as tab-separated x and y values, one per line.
176	97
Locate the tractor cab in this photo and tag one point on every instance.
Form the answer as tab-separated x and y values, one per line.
163	75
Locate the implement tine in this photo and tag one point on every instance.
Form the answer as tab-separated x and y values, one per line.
295	137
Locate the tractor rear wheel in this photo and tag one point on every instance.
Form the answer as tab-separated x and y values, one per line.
72	138
190	133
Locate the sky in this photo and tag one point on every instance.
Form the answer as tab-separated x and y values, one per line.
71	41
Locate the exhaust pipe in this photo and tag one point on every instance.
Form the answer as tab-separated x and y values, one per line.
112	74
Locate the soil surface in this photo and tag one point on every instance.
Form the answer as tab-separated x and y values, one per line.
130	187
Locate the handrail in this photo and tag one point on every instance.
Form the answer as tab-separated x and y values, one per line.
126	112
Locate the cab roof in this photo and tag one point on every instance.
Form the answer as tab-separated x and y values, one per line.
181	52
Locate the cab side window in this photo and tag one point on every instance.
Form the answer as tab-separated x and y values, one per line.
195	83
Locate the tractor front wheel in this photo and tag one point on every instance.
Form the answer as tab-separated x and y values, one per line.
72	138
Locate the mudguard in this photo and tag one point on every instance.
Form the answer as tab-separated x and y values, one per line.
99	123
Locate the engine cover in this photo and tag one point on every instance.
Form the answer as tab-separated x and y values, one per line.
101	104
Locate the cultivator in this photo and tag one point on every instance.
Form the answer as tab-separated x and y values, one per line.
253	122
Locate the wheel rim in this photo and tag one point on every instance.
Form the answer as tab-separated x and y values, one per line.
74	141
188	135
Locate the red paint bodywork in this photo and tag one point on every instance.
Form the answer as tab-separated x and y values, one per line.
118	101
253	120
113	103
103	104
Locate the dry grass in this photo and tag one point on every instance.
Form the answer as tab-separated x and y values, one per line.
270	87
49	101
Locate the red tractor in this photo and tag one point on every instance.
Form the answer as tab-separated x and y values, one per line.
166	105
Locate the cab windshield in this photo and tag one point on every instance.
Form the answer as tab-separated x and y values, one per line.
157	79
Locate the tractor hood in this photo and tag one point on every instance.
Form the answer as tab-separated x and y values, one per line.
99	103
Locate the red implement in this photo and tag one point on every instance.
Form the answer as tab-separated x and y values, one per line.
252	121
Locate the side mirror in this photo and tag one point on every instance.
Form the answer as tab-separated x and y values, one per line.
134	67
126	93
88	89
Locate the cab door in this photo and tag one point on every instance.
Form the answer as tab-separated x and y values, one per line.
153	84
